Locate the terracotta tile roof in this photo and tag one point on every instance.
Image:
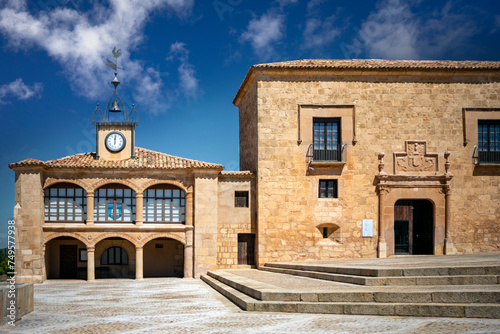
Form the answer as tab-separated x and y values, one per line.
370	65
384	64
243	173
143	159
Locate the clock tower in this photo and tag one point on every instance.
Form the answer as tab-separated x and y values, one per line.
115	129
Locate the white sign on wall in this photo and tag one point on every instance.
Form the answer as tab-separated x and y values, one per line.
367	228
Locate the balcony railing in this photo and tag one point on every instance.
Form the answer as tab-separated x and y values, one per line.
335	155
485	157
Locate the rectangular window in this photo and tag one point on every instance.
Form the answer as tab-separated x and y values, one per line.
241	199
326	139
489	141
327	188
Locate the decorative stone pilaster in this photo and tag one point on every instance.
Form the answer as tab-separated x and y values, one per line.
449	249
188	255
382	245
90	263
90	208
189	207
139	214
139	263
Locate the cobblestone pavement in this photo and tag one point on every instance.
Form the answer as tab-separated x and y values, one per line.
173	305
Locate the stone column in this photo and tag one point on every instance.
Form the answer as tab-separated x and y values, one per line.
138	262
382	245
188	255
449	249
139	215
90	208
90	263
189	207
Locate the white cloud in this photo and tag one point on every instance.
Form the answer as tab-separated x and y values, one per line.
18	89
318	32
283	3
394	31
262	33
187	79
81	41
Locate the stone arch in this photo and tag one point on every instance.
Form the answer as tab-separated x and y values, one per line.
163	256
53	235
117	271
108	235
170	235
332	231
52	181
124	182
176	183
432	194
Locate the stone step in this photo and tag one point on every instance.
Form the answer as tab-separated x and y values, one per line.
263	292
394	280
471	309
392	272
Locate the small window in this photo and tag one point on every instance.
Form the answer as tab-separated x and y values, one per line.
489	141
325	232
327	188
241	199
158	245
114	255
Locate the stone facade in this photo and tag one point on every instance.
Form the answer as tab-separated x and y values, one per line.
408	137
383	107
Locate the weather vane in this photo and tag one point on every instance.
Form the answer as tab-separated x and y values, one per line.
114	65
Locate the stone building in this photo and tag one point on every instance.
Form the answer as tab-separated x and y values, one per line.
339	159
125	211
367	158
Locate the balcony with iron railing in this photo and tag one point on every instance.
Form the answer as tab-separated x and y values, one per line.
481	157
327	157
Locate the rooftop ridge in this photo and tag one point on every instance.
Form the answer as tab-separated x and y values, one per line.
145	158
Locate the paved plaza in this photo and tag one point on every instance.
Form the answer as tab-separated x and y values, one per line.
174	305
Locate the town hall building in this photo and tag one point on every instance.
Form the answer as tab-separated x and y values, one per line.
338	158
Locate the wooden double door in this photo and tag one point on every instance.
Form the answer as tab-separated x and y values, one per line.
413	227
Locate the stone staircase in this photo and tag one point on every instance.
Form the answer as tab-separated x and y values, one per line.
466	290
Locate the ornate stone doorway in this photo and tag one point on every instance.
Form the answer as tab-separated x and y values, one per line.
413	227
414	202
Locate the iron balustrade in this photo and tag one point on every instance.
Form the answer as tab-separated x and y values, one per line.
336	154
485	157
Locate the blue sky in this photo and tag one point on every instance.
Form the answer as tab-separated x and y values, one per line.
184	60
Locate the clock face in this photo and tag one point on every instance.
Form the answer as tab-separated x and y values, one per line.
115	141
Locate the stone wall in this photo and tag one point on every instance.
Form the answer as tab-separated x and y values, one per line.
389	110
232	220
29	218
206	217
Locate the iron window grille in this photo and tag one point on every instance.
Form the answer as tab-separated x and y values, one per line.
488	141
241	199
114	255
328	189
327	145
65	202
164	204
114	203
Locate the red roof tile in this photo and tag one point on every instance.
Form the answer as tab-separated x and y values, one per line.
143	159
384	64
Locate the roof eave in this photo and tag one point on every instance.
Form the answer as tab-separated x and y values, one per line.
257	70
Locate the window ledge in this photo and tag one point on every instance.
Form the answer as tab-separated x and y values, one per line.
488	164
327	163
